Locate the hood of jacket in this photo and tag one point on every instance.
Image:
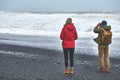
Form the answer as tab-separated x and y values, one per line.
70	27
108	28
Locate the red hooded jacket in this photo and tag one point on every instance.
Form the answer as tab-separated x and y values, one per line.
68	35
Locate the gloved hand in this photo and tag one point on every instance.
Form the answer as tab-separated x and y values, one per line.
98	24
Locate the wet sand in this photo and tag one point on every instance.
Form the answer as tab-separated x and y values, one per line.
29	63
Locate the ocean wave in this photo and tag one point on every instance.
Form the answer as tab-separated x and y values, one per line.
44	24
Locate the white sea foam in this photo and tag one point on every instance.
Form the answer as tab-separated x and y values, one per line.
51	24
19	54
15	26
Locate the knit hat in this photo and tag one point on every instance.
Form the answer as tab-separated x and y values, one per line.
104	23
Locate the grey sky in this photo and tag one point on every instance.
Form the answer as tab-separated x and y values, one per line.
60	5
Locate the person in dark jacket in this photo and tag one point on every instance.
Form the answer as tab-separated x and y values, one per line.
102	47
68	36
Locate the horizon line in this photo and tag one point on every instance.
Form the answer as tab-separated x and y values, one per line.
64	11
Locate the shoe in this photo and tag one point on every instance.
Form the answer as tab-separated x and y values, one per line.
66	71
102	70
71	70
107	70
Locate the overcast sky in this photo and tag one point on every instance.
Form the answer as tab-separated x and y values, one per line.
60	5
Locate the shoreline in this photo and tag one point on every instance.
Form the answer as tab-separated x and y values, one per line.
9	47
84	45
46	64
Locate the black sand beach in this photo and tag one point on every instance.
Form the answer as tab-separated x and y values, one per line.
43	64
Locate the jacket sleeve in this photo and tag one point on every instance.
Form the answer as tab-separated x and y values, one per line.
97	30
62	34
76	35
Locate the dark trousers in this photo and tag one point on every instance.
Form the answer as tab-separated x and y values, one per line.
68	54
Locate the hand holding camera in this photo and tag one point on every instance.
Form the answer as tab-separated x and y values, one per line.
98	24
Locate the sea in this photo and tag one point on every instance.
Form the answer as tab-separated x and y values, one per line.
41	29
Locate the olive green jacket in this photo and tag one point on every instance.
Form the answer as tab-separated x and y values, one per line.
100	32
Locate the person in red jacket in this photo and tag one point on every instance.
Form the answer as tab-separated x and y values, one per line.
68	36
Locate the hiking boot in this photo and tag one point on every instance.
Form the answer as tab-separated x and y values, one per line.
102	70
66	71
107	70
71	70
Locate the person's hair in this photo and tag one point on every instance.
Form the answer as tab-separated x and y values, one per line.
69	21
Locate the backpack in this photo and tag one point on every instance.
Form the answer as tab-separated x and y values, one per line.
106	37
